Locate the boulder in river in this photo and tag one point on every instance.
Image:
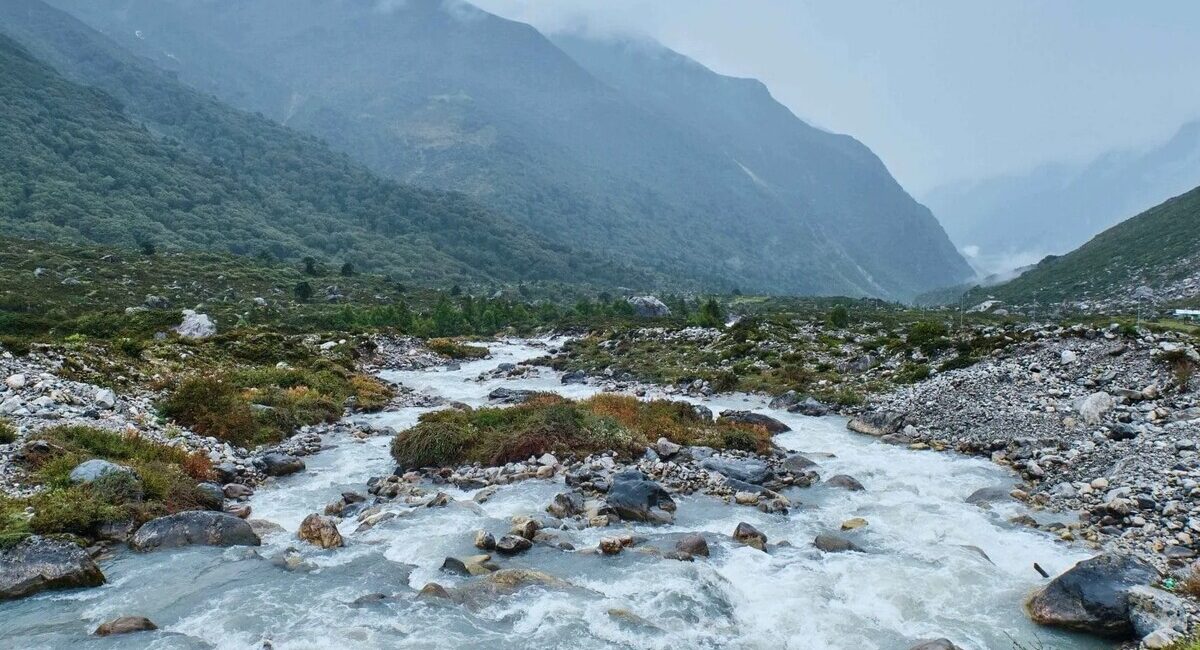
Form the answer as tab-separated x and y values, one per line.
876	423
279	464
510	395
198	527
125	625
834	544
750	536
810	407
513	544
845	482
38	563
321	531
984	496
785	400
935	644
757	419
565	505
633	497
1093	596
693	544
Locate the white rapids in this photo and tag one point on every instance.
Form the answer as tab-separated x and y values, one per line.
935	567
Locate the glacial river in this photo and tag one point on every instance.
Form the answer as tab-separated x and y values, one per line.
935	566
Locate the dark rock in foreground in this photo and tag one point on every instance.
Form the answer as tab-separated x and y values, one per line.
38	563
1093	596
194	528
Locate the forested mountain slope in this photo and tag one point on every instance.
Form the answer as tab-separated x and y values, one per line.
448	96
198	174
1159	249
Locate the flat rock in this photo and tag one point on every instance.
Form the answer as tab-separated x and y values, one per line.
757	419
125	625
279	464
199	527
38	563
876	423
747	470
834	544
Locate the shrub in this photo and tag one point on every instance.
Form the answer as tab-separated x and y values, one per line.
839	317
8	432
370	394
929	336
957	363
548	423
212	406
1182	367
456	350
912	373
164	481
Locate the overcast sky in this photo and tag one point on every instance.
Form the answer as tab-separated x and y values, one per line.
940	89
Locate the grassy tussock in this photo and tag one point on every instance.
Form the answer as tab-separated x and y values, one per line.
548	423
166	482
265	404
457	350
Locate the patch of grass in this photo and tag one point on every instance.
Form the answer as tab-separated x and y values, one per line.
547	423
264	404
457	350
8	432
957	363
1182	367
164	481
912	373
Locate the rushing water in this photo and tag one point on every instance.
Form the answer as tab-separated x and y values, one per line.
925	573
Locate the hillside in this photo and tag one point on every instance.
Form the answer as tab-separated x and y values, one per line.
1159	248
1020	218
448	96
196	174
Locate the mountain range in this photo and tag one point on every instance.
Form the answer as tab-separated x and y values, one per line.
1014	220
623	149
137	159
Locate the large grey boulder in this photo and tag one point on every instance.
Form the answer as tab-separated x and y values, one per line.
747	470
196	326
200	527
1093	407
649	307
1093	596
633	497
279	464
37	564
90	470
876	424
749	417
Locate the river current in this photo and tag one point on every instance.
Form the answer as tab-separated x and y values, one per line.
935	566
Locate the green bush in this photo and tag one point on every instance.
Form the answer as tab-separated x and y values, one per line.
547	423
912	373
839	317
456	350
929	336
8	432
212	406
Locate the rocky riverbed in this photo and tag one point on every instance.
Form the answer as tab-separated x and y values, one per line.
682	546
